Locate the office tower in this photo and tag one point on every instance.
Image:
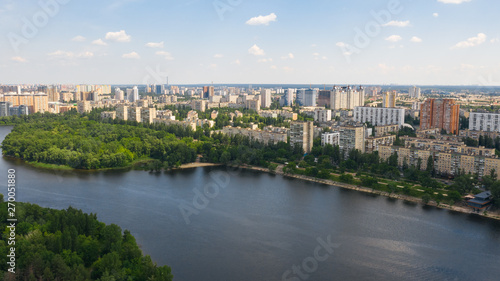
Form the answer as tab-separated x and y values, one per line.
347	97
440	113
265	98
414	92
159	89
311	96
389	99
324	98
379	116
302	133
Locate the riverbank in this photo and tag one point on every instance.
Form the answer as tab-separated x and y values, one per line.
454	208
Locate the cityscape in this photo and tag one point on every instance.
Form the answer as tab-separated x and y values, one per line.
236	140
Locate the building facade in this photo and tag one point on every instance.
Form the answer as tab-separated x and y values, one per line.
302	133
380	116
440	113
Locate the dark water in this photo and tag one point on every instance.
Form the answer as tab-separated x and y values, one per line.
260	225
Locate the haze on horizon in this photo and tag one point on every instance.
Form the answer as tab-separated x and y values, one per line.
438	42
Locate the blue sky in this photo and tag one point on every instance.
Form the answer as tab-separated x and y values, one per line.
425	42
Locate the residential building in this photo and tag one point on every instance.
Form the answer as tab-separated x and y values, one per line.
414	92
442	114
148	114
389	99
108	114
265	137
324	98
486	122
332	138
265	98
347	97
324	115
253	105
200	105
302	133
310	97
352	137
386	130
379	116
122	112
84	107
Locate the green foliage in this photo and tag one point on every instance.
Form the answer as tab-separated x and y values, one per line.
71	245
426	198
347	178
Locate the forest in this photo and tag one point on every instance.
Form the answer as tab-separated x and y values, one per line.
71	245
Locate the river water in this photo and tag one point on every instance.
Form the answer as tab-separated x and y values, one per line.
247	225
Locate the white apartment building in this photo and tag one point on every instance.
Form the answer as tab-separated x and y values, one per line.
347	97
323	115
486	122
380	116
265	98
330	138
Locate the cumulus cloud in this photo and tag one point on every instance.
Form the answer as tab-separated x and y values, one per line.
416	39
262	20
256	51
265	60
471	42
237	62
289	56
59	54
132	55
165	55
397	23
394	38
344	47
453	1
218	56
435	15
119	36
155	45
18	59
78	38
99	42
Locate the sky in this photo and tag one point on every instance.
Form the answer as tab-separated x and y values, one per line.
406	42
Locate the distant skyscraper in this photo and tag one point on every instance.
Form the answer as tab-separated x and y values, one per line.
302	133
347	97
324	98
208	91
389	99
415	92
265	98
301	97
311	96
442	114
287	98
160	89
119	94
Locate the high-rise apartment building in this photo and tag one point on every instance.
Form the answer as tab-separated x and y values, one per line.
302	133
324	98
379	116
324	115
208	91
311	96
347	97
389	99
265	98
440	113
352	137
414	92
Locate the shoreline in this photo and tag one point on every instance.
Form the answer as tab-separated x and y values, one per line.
463	210
459	209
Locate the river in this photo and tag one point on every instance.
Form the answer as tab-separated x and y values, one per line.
257	226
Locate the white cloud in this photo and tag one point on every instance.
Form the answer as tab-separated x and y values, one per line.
132	55
18	59
155	45
237	62
218	56
394	38
289	56
324	58
435	15
59	54
262	20
471	42
495	40
345	48
78	38
397	23
256	51
273	67
453	1
119	36
265	60
416	39
165	55
99	42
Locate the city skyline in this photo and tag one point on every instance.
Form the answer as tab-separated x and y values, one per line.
444	42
